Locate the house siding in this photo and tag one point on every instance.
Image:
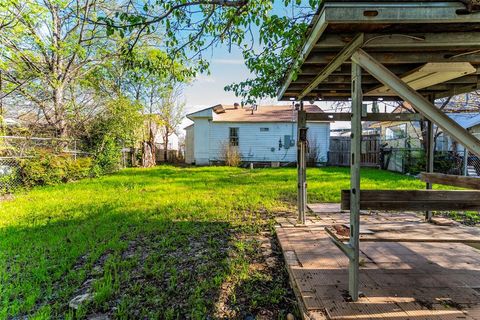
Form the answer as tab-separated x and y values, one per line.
189	145
201	133
256	145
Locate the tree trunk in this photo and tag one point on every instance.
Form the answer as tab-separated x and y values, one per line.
165	148
147	158
148	154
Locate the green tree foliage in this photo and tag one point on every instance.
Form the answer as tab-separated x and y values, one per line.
46	52
269	37
62	69
77	78
116	127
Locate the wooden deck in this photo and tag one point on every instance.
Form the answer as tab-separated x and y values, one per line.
399	280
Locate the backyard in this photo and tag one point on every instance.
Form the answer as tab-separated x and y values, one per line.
166	242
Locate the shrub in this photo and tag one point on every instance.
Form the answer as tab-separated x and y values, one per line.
231	155
444	162
45	168
9	179
119	125
107	157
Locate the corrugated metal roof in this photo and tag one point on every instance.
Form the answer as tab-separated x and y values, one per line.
466	120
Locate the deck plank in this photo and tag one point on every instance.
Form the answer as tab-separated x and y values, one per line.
399	280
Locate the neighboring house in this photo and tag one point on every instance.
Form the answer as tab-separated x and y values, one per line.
173	139
402	136
262	134
409	134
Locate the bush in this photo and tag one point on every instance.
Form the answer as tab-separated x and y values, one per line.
119	125
48	169
107	157
444	162
9	180
231	155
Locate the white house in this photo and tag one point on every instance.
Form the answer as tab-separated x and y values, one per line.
262	134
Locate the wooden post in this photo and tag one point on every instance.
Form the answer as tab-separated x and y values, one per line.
356	141
465	161
301	163
75	149
430	152
133	157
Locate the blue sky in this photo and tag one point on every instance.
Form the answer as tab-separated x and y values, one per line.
207	90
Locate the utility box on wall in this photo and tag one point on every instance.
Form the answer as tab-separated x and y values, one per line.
287	141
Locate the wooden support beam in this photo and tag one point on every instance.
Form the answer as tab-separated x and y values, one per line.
345	247
345	69
420	57
319	27
415	200
397	12
458	89
380	41
346	116
370	80
354	192
451	180
301	163
430	75
421	104
334	64
372	90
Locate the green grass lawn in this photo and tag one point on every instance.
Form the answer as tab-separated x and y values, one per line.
166	242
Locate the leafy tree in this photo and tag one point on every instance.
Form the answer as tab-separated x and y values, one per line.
116	127
191	27
170	115
144	75
47	54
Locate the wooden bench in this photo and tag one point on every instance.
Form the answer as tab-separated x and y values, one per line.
451	180
415	200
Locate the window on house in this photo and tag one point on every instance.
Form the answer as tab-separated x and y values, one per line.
233	137
441	142
396	132
264	129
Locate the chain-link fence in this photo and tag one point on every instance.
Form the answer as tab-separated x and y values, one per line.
15	149
413	161
17	146
9	174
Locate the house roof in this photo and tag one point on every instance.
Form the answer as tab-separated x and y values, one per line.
228	113
466	120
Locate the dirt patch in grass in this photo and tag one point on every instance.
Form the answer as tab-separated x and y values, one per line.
186	271
265	294
6	197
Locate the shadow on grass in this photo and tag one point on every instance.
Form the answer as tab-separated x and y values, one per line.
131	264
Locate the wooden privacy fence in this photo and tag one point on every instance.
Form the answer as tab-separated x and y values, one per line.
339	153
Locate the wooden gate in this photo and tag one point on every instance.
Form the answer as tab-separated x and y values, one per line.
339	153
